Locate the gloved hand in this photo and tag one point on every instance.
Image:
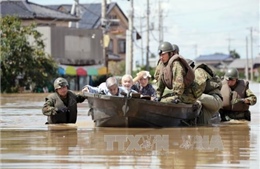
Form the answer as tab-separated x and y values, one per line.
62	110
238	100
176	101
157	99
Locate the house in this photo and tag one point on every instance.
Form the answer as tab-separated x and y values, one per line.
217	61
33	13
244	66
116	26
54	22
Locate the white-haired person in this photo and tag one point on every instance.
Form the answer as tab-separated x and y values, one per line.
127	82
110	87
142	85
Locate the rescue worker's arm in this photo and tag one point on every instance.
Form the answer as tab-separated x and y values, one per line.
160	88
250	97
178	78
157	71
200	81
48	108
80	97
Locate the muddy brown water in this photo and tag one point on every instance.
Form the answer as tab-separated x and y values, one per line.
26	142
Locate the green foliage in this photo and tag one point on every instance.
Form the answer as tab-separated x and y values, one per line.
234	54
23	62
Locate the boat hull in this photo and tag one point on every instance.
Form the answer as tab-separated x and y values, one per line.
113	111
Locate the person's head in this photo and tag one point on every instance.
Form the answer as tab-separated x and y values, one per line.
144	79
231	76
112	85
61	86
191	63
176	49
165	51
127	81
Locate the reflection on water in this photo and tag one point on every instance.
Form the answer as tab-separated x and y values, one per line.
27	143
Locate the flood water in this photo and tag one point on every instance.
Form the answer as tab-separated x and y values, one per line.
26	142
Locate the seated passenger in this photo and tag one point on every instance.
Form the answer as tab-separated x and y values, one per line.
127	83
142	85
110	87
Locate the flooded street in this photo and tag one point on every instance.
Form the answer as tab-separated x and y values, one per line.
26	142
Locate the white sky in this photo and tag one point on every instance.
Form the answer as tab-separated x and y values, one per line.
198	27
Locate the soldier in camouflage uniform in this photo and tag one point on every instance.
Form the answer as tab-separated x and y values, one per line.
237	97
176	50
61	106
208	87
176	75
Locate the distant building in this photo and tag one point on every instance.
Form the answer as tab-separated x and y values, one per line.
217	61
63	44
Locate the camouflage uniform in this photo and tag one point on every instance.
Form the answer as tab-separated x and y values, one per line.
179	90
61	110
209	91
234	106
157	70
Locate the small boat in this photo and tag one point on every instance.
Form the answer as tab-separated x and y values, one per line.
135	111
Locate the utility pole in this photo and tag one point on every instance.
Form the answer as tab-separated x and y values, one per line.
147	38
246	59
141	30
160	26
251	70
104	27
129	53
196	50
229	44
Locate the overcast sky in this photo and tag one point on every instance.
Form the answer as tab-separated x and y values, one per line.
199	27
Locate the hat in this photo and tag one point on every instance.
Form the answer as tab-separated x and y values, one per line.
146	75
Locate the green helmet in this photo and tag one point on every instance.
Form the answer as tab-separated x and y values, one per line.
165	47
191	63
231	73
176	48
60	82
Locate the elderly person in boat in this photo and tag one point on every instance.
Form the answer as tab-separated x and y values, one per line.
110	87
127	83
142	85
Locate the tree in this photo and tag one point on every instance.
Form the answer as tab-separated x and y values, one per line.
23	61
234	54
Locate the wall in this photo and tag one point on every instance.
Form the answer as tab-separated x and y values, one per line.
73	46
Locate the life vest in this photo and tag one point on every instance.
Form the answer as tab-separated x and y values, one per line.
67	117
230	96
213	82
168	74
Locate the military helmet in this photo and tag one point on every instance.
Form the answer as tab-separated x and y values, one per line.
60	82
231	73
176	48
165	47
191	63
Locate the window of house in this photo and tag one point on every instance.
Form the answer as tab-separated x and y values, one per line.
121	46
113	23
